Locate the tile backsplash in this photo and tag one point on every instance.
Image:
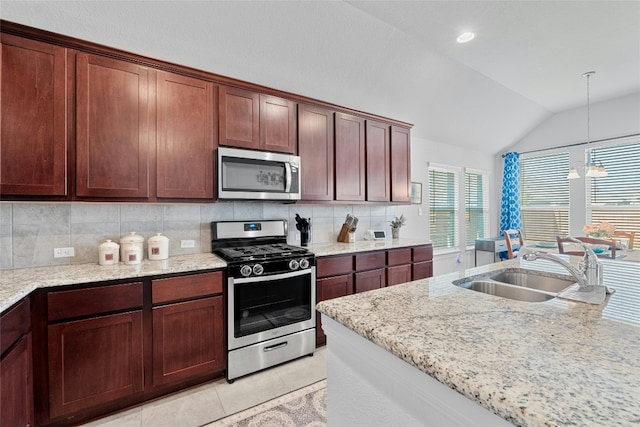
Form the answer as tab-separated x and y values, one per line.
30	231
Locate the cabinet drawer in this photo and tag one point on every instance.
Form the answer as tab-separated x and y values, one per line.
332	266
89	301
371	260
368	280
13	324
398	274
177	288
399	256
423	253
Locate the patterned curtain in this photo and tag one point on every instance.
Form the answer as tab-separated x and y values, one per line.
510	218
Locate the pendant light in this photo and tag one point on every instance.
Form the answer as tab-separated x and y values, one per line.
593	170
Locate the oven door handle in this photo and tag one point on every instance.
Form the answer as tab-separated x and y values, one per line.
286	275
276	346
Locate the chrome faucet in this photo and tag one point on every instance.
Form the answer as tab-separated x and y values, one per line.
588	273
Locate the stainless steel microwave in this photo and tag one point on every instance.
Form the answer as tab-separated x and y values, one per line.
257	175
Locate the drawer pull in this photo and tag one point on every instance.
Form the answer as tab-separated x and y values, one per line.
276	346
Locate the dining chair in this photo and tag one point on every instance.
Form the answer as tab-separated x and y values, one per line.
629	235
562	241
514	241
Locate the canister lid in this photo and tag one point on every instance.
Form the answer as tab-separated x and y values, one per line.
132	238
108	245
158	238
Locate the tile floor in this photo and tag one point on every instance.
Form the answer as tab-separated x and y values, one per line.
207	403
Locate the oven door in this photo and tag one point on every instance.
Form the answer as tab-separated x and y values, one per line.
262	308
257	175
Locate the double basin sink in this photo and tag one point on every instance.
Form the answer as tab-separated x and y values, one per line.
518	284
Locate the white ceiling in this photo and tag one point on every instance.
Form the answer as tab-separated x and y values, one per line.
395	58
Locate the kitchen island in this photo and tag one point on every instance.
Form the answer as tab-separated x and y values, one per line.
553	363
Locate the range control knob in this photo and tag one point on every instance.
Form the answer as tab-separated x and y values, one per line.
304	263
293	264
245	270
258	269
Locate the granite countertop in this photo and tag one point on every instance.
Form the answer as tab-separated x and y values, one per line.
338	248
553	363
18	283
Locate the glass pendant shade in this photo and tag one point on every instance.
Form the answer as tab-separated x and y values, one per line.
573	174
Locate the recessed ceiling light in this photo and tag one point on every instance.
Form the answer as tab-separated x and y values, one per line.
465	37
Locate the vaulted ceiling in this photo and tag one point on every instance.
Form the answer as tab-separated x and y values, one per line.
395	58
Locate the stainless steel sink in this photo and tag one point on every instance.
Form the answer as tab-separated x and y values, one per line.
533	281
517	284
507	291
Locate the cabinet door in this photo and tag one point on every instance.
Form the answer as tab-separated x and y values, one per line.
239	118
33	145
422	270
331	287
112	132
277	124
16	385
398	274
315	148
368	280
94	361
378	162
350	160
188	339
400	165
185	137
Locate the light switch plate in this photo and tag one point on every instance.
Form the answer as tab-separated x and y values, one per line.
187	244
64	252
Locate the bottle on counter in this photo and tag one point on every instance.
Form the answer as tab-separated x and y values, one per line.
108	253
158	247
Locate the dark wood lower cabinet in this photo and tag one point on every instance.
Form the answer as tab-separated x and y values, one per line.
422	270
369	280
188	339
328	288
398	274
16	385
94	361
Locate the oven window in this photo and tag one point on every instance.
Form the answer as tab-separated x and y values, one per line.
252	175
267	305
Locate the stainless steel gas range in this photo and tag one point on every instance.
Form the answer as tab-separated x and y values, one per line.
271	295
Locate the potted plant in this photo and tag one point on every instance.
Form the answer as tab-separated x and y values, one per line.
395	226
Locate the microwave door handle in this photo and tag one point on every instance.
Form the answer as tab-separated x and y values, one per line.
287	177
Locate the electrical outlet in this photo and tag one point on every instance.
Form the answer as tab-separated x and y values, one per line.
64	252
187	244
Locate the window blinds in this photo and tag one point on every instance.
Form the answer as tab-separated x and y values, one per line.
476	201
443	212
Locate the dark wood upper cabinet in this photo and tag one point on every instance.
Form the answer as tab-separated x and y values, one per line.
277	124
112	128
378	162
239	118
315	148
185	144
33	145
350	157
400	165
255	121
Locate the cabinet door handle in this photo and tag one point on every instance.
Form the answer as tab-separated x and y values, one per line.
276	346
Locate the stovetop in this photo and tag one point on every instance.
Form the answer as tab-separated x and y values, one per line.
260	252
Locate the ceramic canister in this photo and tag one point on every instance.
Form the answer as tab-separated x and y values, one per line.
132	237
132	253
158	247
108	253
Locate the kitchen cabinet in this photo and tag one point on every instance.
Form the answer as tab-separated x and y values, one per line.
256	121
315	148
400	165
188	336
33	142
422	257
112	128
185	144
349	157
95	355
334	279
399	266
16	383
370	271
378	161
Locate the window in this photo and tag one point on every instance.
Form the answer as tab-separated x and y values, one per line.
443	207
544	193
476	202
616	197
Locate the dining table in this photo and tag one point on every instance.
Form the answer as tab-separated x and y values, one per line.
622	254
